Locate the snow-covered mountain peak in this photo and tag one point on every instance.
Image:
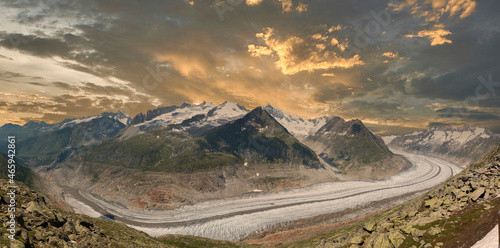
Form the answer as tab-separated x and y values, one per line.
461	135
295	125
119	116
201	115
228	109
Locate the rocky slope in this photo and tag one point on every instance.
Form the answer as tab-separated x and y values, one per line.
457	213
354	150
42	225
462	145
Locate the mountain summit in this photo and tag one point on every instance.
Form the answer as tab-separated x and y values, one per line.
297	126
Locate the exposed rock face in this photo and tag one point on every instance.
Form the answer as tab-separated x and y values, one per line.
354	150
347	143
461	145
259	138
415	220
140	118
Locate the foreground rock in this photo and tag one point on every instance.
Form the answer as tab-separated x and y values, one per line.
41	225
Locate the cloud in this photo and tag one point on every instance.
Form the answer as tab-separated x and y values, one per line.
434	10
390	55
328	75
286	5
253	2
436	35
295	54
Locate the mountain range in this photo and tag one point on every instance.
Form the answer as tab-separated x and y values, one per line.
189	153
461	145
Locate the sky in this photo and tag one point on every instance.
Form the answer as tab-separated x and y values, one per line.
399	66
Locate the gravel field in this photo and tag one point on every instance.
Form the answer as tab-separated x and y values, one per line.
234	218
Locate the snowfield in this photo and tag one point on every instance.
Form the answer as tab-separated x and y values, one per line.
234	218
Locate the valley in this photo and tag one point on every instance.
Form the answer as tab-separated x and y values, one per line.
236	217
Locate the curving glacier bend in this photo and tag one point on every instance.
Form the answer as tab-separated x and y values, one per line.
236	217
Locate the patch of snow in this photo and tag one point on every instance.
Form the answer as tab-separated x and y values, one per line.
119	116
295	125
78	121
489	241
388	139
438	136
215	115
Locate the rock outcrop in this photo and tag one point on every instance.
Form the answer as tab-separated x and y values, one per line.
41	225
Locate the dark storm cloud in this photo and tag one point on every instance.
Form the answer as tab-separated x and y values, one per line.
44	47
91	88
441	124
467	114
20	3
451	70
36	84
65	86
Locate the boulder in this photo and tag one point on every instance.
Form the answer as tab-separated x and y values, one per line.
379	240
406	229
370	226
396	238
477	193
434	231
433	203
356	239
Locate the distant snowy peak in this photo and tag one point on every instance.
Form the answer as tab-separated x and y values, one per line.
461	145
227	110
440	135
296	125
119	116
194	115
388	139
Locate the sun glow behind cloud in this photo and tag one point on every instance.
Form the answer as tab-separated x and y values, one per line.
289	62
